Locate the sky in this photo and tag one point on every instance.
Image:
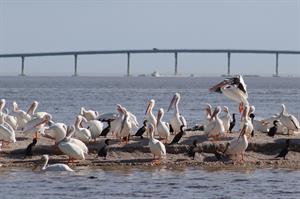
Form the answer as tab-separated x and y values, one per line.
71	25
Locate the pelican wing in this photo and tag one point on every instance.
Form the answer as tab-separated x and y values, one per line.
107	116
294	121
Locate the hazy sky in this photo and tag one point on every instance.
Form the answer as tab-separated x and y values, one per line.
62	25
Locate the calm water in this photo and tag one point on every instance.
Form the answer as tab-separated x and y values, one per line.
63	97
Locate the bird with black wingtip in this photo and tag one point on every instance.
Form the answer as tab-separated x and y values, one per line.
142	130
178	136
103	151
273	130
285	150
29	149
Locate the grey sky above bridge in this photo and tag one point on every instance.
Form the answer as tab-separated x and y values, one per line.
49	26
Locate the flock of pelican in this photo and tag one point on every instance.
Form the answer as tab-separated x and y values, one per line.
90	125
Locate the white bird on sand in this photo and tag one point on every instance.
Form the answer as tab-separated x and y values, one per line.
149	114
157	148
235	89
289	121
162	127
238	146
246	119
7	133
89	114
177	120
56	131
226	119
124	127
215	127
81	133
32	110
22	116
52	167
95	127
10	119
36	125
73	147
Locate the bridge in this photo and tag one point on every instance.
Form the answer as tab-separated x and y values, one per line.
176	53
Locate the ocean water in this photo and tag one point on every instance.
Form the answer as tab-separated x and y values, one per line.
63	97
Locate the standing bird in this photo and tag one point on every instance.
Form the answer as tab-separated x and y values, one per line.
273	130
178	136
107	129
215	127
28	151
81	133
191	152
285	150
289	120
157	148
232	123
162	127
104	149
149	114
89	114
235	89
7	133
177	120
226	119
238	146
52	167
142	130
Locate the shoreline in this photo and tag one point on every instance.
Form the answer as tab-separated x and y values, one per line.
136	154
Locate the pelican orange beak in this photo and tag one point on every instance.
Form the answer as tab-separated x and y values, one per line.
172	102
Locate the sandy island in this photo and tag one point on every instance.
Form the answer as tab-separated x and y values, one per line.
260	153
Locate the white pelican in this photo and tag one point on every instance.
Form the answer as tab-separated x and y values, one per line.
124	128
215	127
22	116
238	146
11	120
149	114
208	112
89	114
52	167
36	124
7	134
177	120
289	120
81	133
226	119
235	89
246	119
32	110
157	148
95	127
73	147
162	127
56	131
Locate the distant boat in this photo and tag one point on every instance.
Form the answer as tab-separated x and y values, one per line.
155	74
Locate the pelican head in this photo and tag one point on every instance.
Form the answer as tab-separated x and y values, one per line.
252	109
283	109
2	104
225	109
160	114
150	106
174	100
32	107
216	112
120	109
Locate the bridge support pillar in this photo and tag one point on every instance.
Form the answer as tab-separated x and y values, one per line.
176	64
128	64
23	66
276	66
75	65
